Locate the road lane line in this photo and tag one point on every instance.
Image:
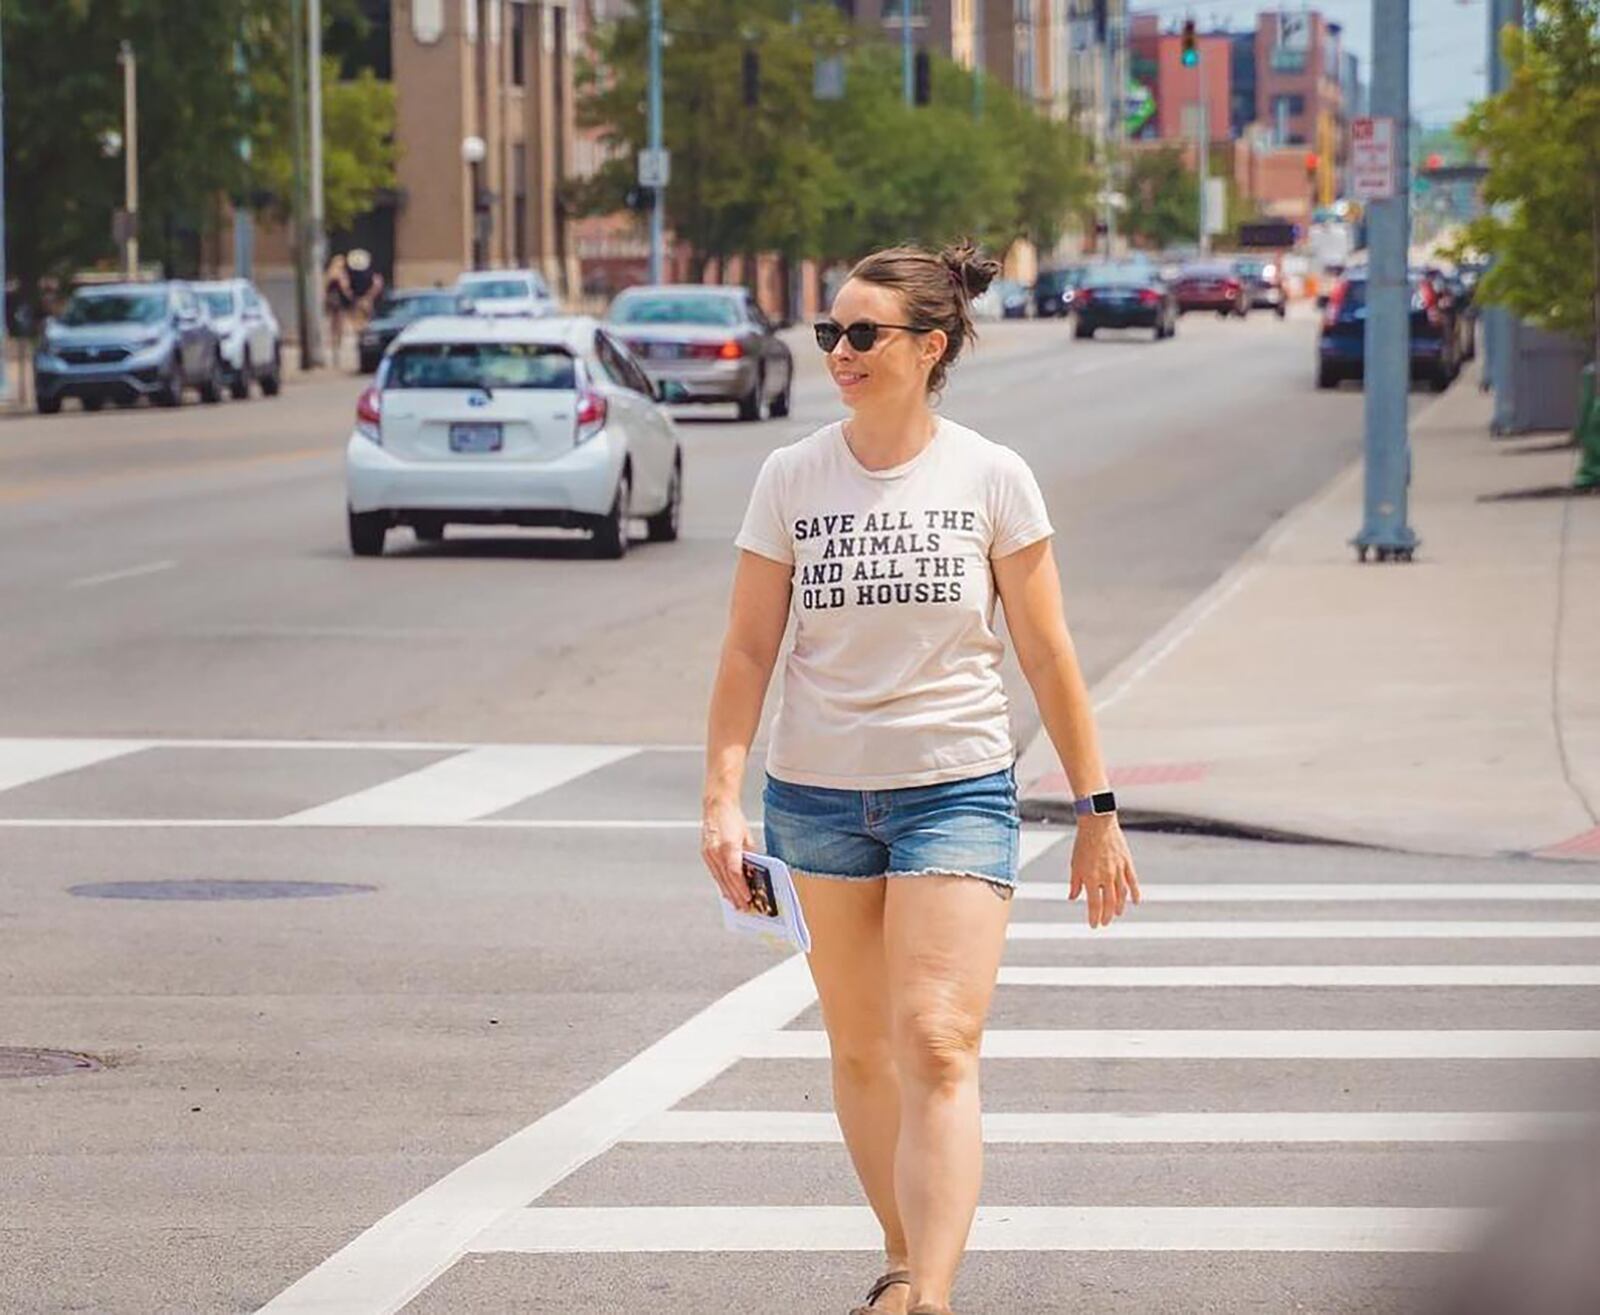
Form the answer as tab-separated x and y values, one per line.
1311	930
22	760
1231	1043
1035	844
711	1127
459	789
399	1256
1295	974
127	573
1346	892
629	1229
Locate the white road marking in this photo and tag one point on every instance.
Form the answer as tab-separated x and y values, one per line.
459	789
1181	1127
297	820
1370	929
1231	1043
399	1256
617	1229
425	746
1035	844
126	573
1344	892
22	761
1295	974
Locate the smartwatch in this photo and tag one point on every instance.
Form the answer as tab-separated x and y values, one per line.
1095	805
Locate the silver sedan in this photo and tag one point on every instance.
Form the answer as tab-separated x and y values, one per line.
702	343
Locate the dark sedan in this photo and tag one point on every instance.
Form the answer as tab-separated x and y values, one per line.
714	344
397	309
1213	286
1124	297
1054	289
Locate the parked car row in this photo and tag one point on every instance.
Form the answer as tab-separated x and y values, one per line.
121	342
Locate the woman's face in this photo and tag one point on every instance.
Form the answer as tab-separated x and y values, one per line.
895	369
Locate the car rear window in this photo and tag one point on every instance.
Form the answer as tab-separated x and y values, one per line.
1119	275
415	305
496	289
481	365
676	308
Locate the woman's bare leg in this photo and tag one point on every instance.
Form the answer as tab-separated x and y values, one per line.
847	964
944	938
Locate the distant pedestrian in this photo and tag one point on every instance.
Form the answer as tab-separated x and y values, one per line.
337	301
891	789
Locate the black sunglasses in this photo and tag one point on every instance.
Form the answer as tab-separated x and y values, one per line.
862	334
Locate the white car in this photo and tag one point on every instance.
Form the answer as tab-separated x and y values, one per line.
248	335
507	292
509	421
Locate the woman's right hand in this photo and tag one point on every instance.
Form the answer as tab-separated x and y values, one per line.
724	837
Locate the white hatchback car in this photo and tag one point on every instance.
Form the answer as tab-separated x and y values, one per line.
507	292
511	422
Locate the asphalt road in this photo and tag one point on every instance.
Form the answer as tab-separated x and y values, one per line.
451	950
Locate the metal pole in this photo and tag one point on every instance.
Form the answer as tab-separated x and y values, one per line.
658	199
1203	149
303	302
1387	347
5	338
905	48
317	219
1108	101
244	235
130	155
978	52
1497	371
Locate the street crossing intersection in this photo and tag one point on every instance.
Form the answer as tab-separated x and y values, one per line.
1245	1067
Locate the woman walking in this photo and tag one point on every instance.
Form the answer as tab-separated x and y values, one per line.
891	789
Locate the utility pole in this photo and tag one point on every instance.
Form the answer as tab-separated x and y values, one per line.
1387	347
1108	187
1202	122
297	102
130	155
905	48
978	51
317	218
658	193
5	323
1497	319
244	231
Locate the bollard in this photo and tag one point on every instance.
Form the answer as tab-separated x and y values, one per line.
1587	432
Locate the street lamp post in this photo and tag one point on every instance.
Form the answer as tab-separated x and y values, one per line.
657	206
130	156
316	220
474	150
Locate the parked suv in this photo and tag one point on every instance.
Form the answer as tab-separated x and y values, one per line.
251	341
124	341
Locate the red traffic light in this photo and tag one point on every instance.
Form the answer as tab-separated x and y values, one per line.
1311	162
1436	161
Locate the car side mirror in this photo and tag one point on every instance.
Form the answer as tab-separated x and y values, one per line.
669	390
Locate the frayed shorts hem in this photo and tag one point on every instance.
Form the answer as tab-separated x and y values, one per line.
1000	883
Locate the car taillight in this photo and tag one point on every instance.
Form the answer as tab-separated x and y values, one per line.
1430	304
1083	295
1330	314
369	415
1149	296
730	350
1233	287
591	416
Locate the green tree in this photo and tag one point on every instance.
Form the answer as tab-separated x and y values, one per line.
1163	197
1540	138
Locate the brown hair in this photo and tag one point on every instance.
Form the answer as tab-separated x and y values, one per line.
937	288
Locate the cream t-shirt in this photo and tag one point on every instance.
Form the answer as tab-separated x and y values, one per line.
893	679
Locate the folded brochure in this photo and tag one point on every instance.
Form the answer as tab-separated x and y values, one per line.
775	914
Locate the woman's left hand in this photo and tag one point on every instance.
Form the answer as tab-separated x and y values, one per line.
1102	868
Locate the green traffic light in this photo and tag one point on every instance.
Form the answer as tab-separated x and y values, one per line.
1191	57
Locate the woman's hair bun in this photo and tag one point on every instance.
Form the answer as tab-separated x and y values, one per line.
969	267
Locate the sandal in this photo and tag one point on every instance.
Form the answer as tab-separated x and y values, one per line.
877	1290
926	1309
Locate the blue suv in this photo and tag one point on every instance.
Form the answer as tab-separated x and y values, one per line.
119	342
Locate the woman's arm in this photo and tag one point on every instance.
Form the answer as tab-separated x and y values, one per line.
1030	590
757	617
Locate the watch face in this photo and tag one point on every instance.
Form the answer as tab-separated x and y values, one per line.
1104	802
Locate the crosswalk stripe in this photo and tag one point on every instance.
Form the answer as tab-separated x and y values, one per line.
1230	1043
23	761
1133	929
615	1229
801	1126
1344	892
1296	974
467	786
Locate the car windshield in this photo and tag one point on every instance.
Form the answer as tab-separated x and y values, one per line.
410	306
220	304
676	308
116	308
482	365
1206	271
495	289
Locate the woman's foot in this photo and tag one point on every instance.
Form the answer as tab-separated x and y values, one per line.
888	1296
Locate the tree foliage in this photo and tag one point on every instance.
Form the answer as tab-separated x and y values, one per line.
1163	197
821	178
64	103
1540	138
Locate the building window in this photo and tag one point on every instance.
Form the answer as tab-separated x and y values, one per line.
1292	104
519	45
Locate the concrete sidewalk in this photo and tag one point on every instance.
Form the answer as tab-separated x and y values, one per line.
1451	705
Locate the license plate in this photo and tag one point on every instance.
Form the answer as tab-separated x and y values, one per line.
663	351
476	438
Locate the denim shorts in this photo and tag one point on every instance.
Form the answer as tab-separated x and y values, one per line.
959	828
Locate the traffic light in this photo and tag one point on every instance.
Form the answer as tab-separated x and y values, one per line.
1435	161
1311	164
750	70
922	82
1191	52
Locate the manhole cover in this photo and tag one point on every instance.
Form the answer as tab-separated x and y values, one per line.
21	1062
204	889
